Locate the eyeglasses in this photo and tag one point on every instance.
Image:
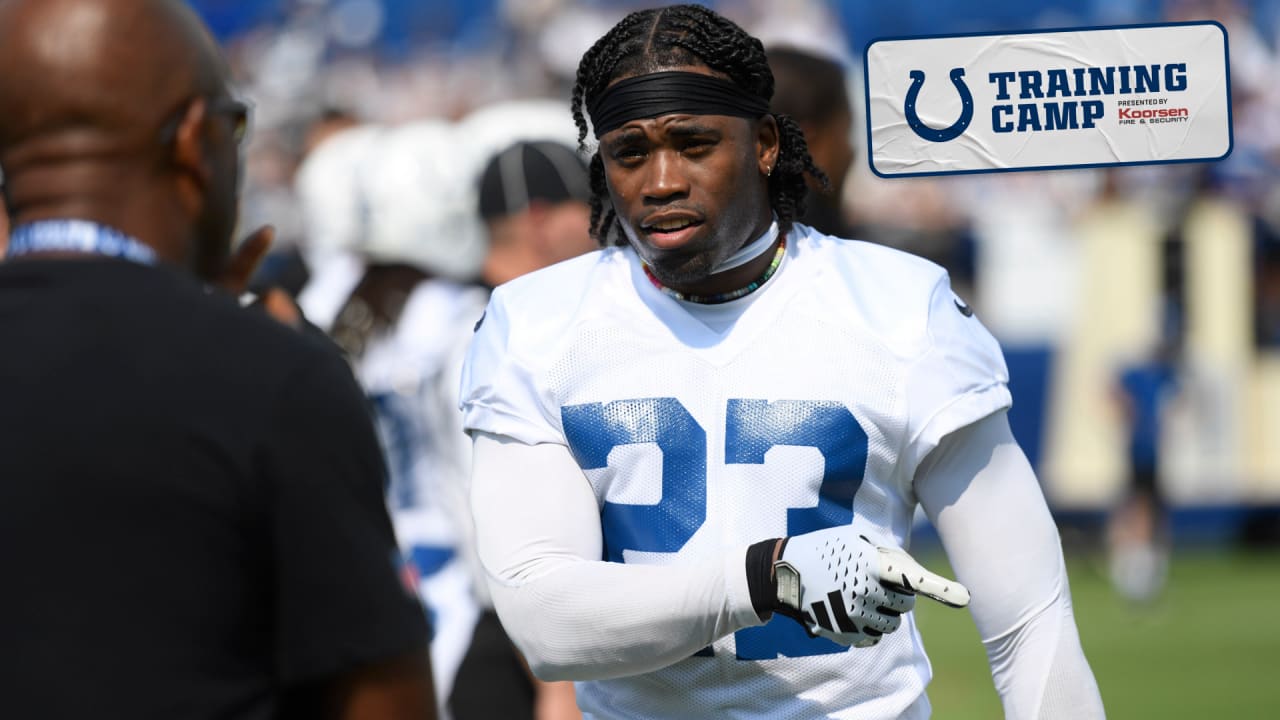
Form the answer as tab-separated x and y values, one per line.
237	110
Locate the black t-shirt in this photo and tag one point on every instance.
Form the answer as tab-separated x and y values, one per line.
191	509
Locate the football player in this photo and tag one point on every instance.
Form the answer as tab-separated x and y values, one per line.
401	327
698	451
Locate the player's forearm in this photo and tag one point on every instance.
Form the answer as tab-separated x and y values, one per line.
1040	670
572	615
981	493
597	620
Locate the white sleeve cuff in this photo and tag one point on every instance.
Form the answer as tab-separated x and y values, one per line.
961	412
482	417
737	593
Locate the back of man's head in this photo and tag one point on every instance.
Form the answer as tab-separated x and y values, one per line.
807	86
811	89
114	112
534	200
529	172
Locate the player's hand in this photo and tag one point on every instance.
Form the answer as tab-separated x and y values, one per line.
841	586
240	268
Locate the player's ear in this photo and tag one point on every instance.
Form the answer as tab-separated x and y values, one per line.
768	143
188	156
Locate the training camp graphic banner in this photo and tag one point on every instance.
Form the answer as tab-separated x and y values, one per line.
1044	100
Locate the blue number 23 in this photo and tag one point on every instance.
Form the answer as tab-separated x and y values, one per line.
752	428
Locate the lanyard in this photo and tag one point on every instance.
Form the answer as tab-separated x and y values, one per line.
78	236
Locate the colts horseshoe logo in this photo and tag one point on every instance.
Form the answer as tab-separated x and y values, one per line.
945	134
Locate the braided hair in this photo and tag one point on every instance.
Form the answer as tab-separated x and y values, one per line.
648	41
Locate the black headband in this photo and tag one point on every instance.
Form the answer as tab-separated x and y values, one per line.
664	93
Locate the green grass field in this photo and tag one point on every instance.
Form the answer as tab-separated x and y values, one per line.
1208	649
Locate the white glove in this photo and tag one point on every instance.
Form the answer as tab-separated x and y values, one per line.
843	587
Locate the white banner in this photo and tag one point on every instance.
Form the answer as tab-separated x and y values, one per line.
1046	100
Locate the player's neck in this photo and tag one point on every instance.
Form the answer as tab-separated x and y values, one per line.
740	275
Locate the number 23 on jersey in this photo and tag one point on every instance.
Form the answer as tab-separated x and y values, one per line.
752	428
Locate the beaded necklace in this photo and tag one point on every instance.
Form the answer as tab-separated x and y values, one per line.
726	296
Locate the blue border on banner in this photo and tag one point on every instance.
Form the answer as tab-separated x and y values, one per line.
866	82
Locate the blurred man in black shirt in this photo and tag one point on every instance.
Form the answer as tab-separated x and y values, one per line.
191	515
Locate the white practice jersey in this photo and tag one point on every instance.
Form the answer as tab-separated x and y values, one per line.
410	375
334	275
805	405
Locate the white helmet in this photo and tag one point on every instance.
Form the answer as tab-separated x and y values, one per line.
329	194
493	128
421	201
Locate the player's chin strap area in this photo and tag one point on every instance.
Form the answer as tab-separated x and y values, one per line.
751	250
724	297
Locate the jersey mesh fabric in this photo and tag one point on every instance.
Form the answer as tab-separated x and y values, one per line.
810	381
746	503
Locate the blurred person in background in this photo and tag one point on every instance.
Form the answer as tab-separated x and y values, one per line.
402	327
405	326
286	267
219	468
1139	535
812	90
533	198
270	163
329	123
335	219
272	181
